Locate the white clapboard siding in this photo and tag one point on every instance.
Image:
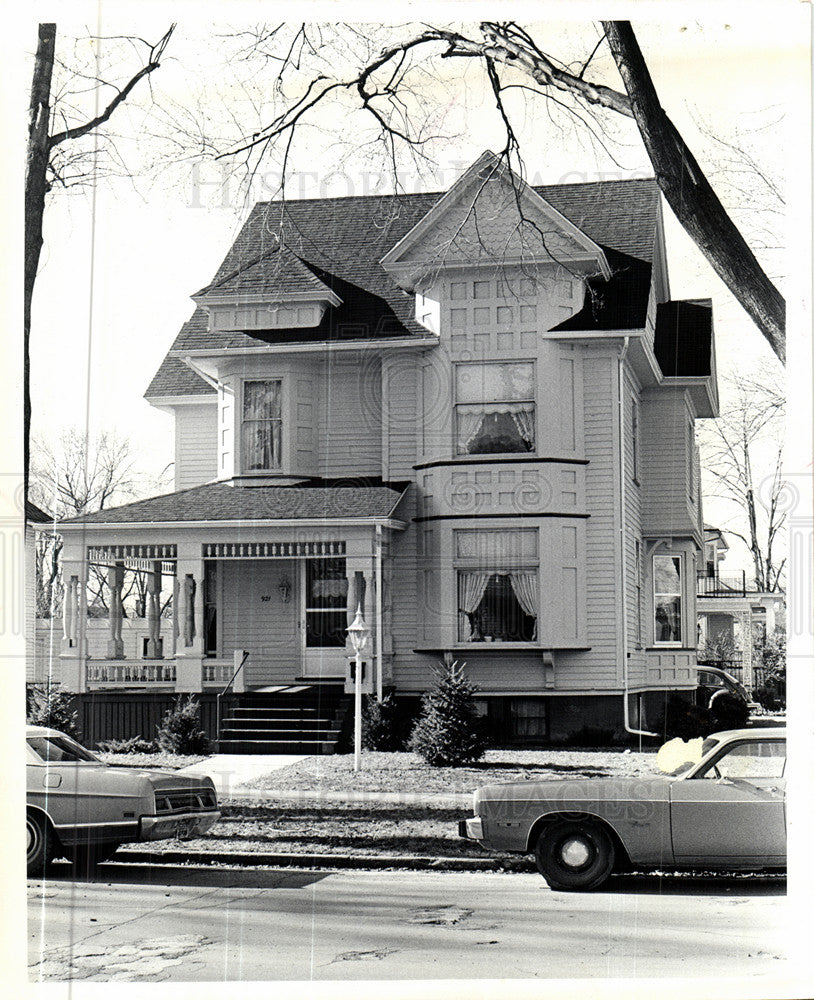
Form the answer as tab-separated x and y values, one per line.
196	444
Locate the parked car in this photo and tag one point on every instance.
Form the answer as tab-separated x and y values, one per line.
715	682
80	808
727	812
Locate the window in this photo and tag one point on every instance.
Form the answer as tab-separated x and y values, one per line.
210	583
494	410
749	761
60	749
262	425
667	599
326	602
497	585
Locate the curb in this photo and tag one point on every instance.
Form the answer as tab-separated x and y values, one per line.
320	861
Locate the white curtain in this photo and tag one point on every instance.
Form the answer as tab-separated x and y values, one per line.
524	586
470	419
473	587
524	422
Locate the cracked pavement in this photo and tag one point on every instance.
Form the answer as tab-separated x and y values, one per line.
186	924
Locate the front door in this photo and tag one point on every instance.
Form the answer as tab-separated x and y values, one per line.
324	616
735	811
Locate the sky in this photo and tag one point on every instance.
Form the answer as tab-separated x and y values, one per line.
121	258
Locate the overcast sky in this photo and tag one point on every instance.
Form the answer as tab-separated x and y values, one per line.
121	261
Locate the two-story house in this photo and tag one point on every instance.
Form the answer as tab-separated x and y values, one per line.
471	414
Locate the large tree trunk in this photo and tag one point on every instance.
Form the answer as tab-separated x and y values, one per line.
35	190
691	197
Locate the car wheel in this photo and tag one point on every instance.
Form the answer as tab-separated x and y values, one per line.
40	843
574	855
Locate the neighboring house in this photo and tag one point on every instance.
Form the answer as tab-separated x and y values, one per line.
471	413
734	617
35	522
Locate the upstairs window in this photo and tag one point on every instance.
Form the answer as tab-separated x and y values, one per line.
494	410
262	425
667	600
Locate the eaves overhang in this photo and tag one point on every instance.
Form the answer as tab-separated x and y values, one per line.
396	524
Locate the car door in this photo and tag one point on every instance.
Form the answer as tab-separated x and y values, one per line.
732	811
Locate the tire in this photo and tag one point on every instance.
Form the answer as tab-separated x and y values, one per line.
575	855
40	846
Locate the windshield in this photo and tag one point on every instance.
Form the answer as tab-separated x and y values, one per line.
59	749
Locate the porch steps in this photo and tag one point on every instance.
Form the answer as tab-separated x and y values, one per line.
296	719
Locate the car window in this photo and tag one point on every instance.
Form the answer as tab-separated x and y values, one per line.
59	749
749	760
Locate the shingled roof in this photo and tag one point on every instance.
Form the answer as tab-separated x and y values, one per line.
341	241
222	502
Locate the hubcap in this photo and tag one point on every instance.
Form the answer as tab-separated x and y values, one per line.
33	838
575	852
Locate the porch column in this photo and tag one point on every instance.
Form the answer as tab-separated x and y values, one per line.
189	648
115	582
74	652
153	609
745	618
175	629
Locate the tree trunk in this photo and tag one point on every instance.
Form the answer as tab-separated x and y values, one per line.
691	197
35	190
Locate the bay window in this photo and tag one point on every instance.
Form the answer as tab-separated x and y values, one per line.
497	585
261	429
667	599
494	411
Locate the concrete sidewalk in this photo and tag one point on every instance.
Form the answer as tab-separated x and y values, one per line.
230	771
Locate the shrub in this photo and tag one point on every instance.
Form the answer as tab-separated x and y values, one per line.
590	736
180	732
383	725
727	712
48	706
136	744
448	732
683	718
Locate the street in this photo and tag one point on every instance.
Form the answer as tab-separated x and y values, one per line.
174	924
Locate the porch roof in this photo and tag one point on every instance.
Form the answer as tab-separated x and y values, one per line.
225	502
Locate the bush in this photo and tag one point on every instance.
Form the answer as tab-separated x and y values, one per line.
48	706
448	732
181	732
590	736
383	726
683	718
136	744
727	712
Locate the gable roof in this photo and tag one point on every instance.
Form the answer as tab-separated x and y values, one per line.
341	241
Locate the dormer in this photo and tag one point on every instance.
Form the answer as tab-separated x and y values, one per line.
274	291
490	217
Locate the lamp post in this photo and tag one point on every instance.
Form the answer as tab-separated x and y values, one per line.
359	634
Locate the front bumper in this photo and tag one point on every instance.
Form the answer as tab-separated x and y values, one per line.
183	825
471	828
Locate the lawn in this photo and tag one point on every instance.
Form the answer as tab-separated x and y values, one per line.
407	772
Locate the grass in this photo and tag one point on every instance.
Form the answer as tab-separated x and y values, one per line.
407	772
161	761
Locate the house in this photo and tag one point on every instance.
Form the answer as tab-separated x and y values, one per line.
734	616
471	414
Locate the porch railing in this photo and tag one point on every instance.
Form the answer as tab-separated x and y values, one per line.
225	691
153	672
717	585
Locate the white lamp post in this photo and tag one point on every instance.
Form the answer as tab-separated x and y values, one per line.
359	634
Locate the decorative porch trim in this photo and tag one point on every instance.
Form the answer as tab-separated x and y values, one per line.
118	553
271	550
131	672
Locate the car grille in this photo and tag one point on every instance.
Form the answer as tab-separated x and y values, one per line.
187	800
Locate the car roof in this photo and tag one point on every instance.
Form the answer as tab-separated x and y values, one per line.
758	732
42	731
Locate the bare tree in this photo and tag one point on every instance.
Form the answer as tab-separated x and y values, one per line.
743	455
81	476
55	128
390	86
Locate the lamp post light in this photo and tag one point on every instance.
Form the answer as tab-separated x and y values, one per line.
359	634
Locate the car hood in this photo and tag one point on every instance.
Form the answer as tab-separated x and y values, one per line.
577	790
